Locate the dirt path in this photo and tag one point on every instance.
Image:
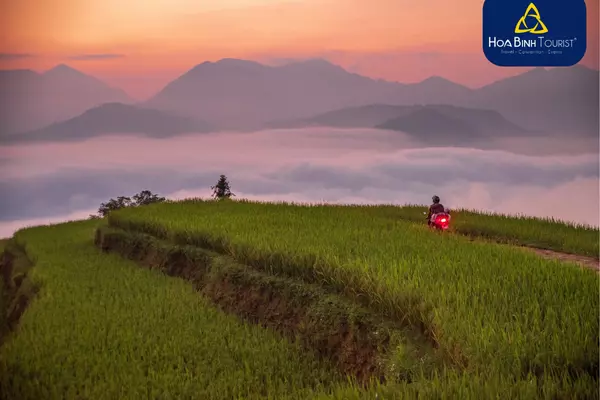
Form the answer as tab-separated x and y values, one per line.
588	262
582	261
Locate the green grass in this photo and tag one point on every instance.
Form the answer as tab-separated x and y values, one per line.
518	326
493	309
103	328
526	231
357	341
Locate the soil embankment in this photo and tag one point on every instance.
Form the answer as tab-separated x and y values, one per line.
361	343
17	290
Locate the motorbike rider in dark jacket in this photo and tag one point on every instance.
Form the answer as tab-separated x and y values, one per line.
435	208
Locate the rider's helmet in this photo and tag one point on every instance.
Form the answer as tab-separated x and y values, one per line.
435	199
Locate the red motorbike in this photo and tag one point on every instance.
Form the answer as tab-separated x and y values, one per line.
440	221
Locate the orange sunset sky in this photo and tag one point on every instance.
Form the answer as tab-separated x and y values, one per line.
139	45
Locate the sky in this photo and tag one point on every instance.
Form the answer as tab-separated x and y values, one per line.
140	45
61	181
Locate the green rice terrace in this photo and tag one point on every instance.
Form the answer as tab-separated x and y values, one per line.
244	300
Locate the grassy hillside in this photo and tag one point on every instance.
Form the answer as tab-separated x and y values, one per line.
103	328
475	300
337	290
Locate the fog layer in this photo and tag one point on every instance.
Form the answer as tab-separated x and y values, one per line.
42	183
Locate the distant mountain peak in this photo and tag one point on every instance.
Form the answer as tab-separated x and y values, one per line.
63	72
435	79
112	105
224	62
536	71
316	63
61	66
235	61
116	118
62	69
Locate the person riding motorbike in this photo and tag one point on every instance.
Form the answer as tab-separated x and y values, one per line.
435	208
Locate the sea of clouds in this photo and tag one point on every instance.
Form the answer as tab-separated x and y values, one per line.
52	182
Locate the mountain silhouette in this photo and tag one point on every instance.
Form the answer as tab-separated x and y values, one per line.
556	100
351	117
241	94
440	119
244	94
114	118
433	90
29	100
433	127
448	125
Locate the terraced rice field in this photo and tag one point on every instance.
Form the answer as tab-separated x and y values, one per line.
285	296
102	328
